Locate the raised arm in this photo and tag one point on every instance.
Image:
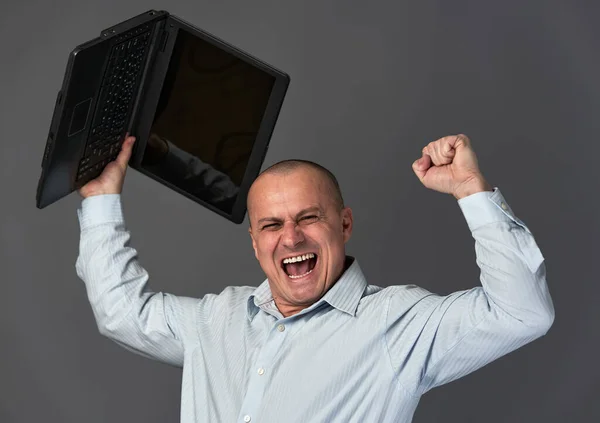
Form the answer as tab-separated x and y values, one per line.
447	337
152	324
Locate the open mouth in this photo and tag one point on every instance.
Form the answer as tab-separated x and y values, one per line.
299	266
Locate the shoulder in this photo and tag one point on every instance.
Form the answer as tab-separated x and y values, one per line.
231	296
404	296
230	301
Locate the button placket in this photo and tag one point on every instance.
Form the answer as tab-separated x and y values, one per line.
259	379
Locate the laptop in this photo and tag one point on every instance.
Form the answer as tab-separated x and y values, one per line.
202	112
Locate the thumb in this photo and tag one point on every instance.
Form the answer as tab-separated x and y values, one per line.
459	141
125	153
421	166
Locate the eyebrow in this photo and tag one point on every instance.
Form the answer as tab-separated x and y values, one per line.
314	209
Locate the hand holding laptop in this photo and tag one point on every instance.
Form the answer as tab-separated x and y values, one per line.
112	177
180	90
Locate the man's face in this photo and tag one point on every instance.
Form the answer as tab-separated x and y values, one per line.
298	235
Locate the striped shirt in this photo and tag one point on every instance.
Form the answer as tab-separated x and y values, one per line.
362	353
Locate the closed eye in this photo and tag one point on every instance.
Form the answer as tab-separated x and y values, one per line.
309	218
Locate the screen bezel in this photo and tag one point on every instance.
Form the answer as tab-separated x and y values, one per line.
154	84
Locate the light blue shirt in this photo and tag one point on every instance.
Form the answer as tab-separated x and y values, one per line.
361	354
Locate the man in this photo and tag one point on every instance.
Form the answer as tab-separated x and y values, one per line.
314	342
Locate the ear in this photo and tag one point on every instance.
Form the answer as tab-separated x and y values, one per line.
347	223
253	242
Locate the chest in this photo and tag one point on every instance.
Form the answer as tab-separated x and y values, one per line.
324	362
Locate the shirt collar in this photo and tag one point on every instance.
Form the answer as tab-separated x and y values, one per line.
344	295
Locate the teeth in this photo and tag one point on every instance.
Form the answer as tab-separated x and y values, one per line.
298	258
299	276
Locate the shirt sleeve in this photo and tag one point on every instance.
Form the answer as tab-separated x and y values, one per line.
439	339
152	324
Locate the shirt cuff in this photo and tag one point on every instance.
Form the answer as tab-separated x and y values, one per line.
487	207
100	209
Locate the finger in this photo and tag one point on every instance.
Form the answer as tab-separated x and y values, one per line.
447	151
125	153
436	149
438	156
458	141
421	166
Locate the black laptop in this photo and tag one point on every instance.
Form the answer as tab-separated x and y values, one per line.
202	112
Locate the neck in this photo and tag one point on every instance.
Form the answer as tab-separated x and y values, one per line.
288	310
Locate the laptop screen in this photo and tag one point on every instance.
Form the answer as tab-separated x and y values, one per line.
208	116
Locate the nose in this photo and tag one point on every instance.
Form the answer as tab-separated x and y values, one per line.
292	235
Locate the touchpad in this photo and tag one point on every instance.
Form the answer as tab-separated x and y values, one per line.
80	116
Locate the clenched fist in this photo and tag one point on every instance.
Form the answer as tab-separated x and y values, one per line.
449	165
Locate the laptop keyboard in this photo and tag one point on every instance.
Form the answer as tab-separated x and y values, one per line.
115	103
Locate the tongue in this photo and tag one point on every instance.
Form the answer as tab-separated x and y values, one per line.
299	268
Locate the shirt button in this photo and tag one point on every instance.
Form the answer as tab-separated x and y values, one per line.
247	419
504	206
280	328
261	371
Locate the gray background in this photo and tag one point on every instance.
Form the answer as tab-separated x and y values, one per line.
372	83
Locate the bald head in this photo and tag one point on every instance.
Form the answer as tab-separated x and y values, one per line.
286	167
